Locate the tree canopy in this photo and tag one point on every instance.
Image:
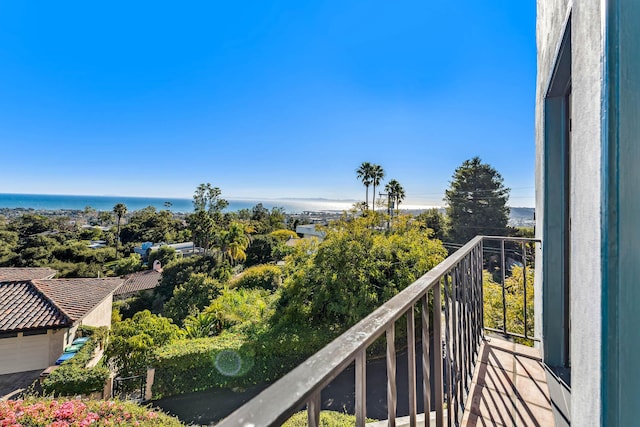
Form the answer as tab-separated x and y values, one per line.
477	202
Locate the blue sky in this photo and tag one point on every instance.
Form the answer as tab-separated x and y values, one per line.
264	98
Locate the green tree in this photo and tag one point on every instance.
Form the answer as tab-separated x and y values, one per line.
164	254
396	193
239	306
260	250
354	270
476	202
434	220
377	175
120	210
205	222
127	265
267	277
133	341
364	173
105	218
234	243
191	297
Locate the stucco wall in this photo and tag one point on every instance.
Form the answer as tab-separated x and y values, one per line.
586	276
100	315
585	271
56	343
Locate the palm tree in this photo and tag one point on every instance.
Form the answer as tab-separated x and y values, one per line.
120	210
235	242
396	193
377	174
364	175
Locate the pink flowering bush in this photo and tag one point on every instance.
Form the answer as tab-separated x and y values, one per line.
78	413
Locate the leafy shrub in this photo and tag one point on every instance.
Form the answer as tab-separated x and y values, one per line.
327	419
61	412
134	340
72	378
200	364
284	235
99	334
239	306
191	297
260	250
514	295
354	270
165	254
260	276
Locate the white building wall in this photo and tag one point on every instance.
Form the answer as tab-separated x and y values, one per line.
585	272
586	258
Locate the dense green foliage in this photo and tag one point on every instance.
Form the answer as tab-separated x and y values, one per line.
355	269
180	271
476	202
151	225
191	296
133	341
73	378
76	413
261	250
32	240
327	419
284	235
126	265
242	307
435	221
514	295
165	254
200	364
260	276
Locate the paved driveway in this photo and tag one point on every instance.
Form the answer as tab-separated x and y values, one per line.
9	383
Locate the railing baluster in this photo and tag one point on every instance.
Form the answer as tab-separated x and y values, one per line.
504	294
467	325
448	343
361	388
391	376
426	368
411	366
454	347
524	284
438	396
481	295
313	410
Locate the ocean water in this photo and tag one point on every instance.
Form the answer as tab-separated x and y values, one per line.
106	203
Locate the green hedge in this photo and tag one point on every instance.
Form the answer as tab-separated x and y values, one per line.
199	364
264	276
232	359
72	378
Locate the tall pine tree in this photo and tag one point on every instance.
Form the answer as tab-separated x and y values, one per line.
477	202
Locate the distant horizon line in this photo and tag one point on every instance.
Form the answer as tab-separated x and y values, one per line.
242	198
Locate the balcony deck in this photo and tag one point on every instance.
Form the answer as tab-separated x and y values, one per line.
509	387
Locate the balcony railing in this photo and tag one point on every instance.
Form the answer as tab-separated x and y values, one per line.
454	291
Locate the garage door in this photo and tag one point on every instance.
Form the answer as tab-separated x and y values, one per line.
24	353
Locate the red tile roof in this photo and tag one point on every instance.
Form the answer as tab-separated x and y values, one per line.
22	307
52	303
11	274
77	297
140	281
